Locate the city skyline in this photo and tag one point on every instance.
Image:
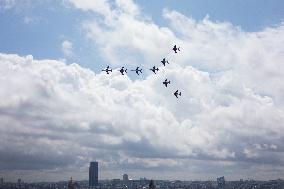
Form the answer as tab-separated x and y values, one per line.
221	183
221	114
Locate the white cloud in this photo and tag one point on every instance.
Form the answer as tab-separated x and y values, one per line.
122	31
99	6
7	4
30	19
68	109
67	48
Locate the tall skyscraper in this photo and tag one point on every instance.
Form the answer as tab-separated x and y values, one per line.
19	183
71	184
125	177
221	182
93	174
152	184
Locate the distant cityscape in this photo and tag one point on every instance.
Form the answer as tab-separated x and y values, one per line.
142	183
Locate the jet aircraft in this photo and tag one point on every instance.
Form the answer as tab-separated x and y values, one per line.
137	70
122	70
154	69
107	70
164	61
176	49
177	93
166	82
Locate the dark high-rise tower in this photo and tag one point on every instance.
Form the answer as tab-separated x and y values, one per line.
152	184
93	174
221	182
125	177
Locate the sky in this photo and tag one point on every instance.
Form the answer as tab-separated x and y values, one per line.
59	111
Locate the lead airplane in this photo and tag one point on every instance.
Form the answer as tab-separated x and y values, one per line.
154	69
164	61
177	93
122	70
176	49
137	70
107	70
166	82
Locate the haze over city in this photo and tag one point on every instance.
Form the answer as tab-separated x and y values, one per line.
59	111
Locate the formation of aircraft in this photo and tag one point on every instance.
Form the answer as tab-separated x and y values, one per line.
154	69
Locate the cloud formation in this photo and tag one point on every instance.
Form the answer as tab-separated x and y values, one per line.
67	48
229	120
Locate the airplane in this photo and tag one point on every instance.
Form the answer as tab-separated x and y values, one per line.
166	82
176	49
107	70
122	70
154	69
176	93
137	70
164	61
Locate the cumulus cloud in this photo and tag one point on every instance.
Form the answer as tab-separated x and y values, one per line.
123	31
228	121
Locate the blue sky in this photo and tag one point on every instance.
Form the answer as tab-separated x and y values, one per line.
51	23
250	15
60	111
